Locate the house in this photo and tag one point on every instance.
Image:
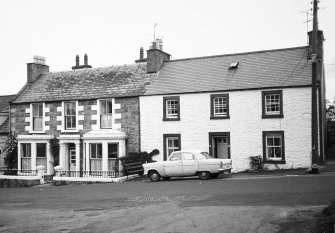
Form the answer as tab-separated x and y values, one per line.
93	112
268	103
4	125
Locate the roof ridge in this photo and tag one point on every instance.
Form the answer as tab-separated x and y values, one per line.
233	54
93	68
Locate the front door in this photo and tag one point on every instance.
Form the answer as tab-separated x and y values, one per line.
219	145
72	158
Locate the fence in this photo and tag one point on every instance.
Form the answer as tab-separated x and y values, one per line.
89	174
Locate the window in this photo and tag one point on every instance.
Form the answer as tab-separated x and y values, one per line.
176	156
106	111
171	108
273	147
70	115
41	149
113	154
171	144
26	150
41	154
25	156
96	157
188	156
113	150
37	117
220	106
272	104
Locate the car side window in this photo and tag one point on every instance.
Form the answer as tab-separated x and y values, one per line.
176	156
188	156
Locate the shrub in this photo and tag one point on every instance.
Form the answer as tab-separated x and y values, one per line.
143	157
256	163
11	152
54	149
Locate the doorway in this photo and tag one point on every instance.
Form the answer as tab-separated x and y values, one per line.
219	145
72	157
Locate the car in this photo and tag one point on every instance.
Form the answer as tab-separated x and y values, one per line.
187	163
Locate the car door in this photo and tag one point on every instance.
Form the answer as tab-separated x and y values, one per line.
190	164
173	167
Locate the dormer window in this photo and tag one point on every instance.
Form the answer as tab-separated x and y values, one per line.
233	65
37	117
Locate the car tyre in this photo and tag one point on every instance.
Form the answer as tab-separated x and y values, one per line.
204	175
154	176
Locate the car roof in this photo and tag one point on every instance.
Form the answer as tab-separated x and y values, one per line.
191	151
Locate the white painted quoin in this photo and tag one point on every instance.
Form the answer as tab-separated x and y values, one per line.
245	125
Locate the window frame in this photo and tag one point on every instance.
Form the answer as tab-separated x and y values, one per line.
40	105
264	112
166	117
65	116
269	160
213	96
96	150
165	137
24	149
100	112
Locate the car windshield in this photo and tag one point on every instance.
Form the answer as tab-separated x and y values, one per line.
203	155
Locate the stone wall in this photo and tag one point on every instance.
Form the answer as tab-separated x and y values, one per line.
245	125
2	147
130	122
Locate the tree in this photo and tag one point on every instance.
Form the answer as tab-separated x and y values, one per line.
54	148
10	152
330	110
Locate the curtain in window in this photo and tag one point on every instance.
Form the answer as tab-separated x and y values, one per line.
25	163
106	121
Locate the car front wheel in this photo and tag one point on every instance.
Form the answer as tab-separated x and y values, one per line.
154	176
204	175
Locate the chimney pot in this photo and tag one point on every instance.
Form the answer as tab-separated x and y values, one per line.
77	60
141	53
85	59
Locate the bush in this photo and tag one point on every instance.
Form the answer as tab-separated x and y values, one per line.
143	157
256	163
11	152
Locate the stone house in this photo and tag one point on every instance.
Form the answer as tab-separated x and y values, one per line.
94	112
4	125
239	105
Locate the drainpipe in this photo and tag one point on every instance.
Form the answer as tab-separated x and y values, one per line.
315	149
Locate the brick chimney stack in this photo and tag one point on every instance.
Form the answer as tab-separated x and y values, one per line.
156	56
36	69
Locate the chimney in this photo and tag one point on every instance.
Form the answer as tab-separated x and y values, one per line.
77	60
142	59
85	60
156	56
78	66
36	69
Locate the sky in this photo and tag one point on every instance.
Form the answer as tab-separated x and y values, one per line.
111	32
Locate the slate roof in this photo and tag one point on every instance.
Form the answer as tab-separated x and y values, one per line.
4	102
107	82
262	69
4	126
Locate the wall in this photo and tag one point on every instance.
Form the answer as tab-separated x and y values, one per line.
245	125
2	147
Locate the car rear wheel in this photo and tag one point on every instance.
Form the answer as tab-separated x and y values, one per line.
154	176
204	175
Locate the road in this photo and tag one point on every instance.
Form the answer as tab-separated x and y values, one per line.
249	204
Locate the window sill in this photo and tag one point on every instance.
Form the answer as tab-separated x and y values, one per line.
171	119
219	118
273	116
274	161
70	131
36	132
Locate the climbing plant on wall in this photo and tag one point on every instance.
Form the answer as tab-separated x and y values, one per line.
10	152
